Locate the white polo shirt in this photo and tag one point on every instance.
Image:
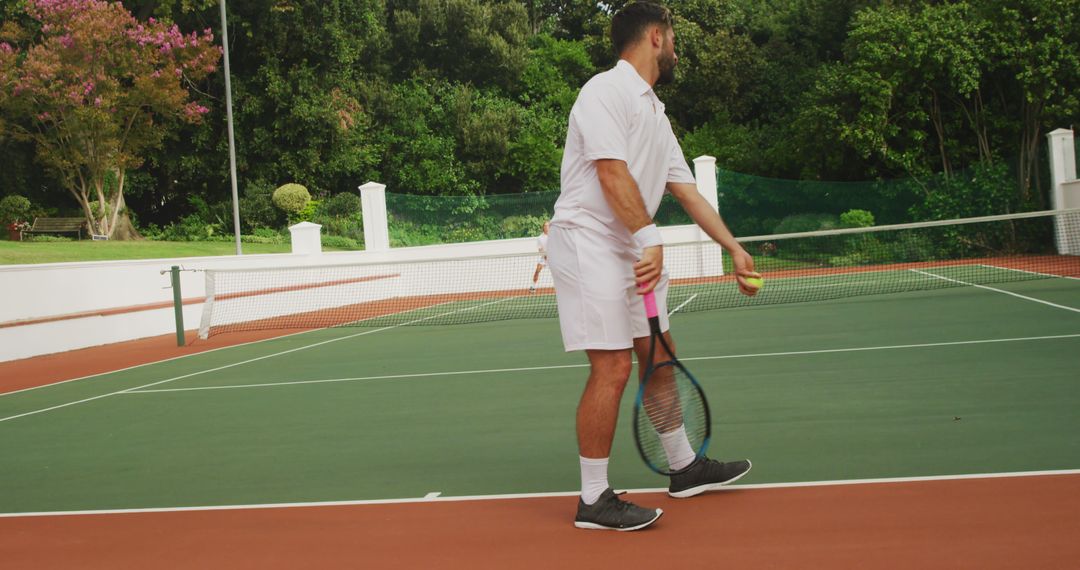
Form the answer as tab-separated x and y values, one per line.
616	116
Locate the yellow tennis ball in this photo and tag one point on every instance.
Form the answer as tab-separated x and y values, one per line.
755	282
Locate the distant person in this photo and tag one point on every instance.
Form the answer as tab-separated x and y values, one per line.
541	245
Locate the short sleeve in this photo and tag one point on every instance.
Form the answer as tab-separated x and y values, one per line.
678	170
603	119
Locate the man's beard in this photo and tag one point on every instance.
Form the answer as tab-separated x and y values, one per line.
667	69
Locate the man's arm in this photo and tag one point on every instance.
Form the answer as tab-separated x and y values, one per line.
624	198
703	214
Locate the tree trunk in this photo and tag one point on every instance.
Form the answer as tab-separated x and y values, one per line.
124	229
1029	150
939	128
118	205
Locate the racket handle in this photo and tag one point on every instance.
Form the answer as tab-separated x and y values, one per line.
650	304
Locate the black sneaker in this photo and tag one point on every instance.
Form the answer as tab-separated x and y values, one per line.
706	475
609	512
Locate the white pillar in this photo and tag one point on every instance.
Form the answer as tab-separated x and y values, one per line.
306	238
376	233
1062	165
705	173
710	258
1064	189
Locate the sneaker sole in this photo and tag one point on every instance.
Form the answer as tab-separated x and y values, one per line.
594	526
692	491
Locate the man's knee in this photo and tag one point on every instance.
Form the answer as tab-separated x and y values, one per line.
610	365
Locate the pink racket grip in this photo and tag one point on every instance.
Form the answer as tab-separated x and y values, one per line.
650	304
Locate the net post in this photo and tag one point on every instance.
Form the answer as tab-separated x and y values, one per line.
178	304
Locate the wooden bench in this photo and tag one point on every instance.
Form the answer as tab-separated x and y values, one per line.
57	226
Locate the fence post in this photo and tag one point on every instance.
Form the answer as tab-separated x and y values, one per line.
710	255
705	173
306	238
376	232
1065	189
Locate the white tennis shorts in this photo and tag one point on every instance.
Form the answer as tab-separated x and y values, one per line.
599	307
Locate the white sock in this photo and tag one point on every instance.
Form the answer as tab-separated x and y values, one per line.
593	478
677	447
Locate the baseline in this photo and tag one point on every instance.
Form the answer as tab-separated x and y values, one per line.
429	498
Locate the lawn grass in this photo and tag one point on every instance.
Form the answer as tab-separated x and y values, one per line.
12	252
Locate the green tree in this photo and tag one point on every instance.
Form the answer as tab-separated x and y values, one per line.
90	89
474	41
933	87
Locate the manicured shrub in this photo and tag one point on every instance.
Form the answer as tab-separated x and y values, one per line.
292	198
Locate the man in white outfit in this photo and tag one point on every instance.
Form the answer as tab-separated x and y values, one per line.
541	246
604	251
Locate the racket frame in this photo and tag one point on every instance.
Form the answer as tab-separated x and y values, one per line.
639	408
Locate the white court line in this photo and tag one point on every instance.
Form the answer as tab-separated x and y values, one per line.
1029	272
136	391
51	384
1024	297
359	378
518	496
234	364
433	495
894	347
676	310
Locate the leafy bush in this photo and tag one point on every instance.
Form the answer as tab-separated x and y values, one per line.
856	219
798	223
190	228
274	239
292	198
344	227
257	209
522	226
306	214
340	242
342	205
14	208
479	229
269	234
983	190
46	237
407	234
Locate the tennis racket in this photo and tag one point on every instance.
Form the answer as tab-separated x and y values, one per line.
669	400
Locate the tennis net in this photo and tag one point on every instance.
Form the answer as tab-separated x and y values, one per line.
799	268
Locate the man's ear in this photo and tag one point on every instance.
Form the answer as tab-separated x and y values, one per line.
656	36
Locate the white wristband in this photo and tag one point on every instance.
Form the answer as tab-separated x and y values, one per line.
648	236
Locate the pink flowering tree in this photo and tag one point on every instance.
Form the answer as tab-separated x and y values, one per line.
94	88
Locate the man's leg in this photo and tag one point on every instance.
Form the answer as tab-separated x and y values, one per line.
598	410
675	441
705	475
597	414
593	317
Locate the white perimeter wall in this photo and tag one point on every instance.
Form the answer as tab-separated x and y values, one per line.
30	292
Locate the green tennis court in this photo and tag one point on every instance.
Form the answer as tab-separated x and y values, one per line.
956	381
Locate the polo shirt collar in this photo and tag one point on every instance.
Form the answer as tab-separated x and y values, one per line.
639	84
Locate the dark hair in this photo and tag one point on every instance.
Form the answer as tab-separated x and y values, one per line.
630	23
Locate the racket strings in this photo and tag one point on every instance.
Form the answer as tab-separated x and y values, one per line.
670	401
